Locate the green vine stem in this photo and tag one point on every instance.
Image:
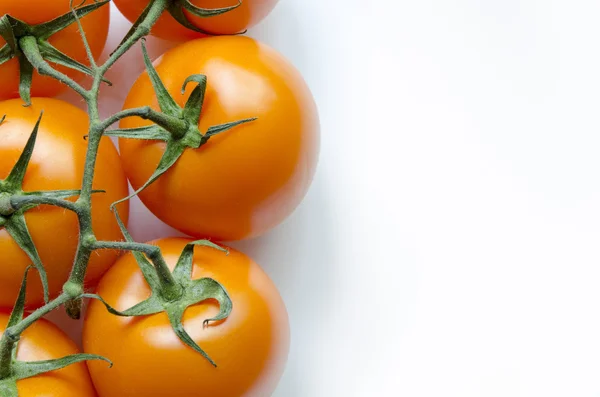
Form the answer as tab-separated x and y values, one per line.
84	205
167	287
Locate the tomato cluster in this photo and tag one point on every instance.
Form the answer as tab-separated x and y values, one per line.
238	184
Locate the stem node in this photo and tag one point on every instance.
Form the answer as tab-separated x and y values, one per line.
12	335
88	240
6	207
73	290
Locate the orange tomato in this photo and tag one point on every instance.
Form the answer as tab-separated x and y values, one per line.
67	41
57	163
248	14
44	341
250	347
242	182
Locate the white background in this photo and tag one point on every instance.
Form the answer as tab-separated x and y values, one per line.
449	245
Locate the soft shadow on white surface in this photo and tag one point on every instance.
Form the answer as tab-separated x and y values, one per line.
298	257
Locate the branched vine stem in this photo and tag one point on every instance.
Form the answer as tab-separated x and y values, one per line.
96	130
73	288
173	291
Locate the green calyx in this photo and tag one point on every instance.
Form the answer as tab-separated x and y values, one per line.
173	292
14	203
176	126
177	9
13	370
29	44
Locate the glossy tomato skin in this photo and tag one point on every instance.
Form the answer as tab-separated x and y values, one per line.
250	347
44	341
67	41
245	16
247	180
57	163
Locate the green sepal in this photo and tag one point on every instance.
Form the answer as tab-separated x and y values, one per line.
172	153
217	129
17	174
45	30
165	100
29	369
177	12
150	306
25	79
17	229
59	194
208	12
175	318
207	288
6	54
18	310
150	132
183	269
147	307
8	26
193	106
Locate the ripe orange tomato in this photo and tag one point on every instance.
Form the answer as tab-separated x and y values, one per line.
67	41
248	14
242	182
44	341
56	163
250	347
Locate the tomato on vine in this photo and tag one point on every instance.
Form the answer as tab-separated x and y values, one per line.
60	42
227	149
249	344
248	150
56	164
200	16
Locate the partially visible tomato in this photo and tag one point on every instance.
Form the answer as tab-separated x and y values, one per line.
250	347
242	182
245	16
56	164
44	341
67	41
